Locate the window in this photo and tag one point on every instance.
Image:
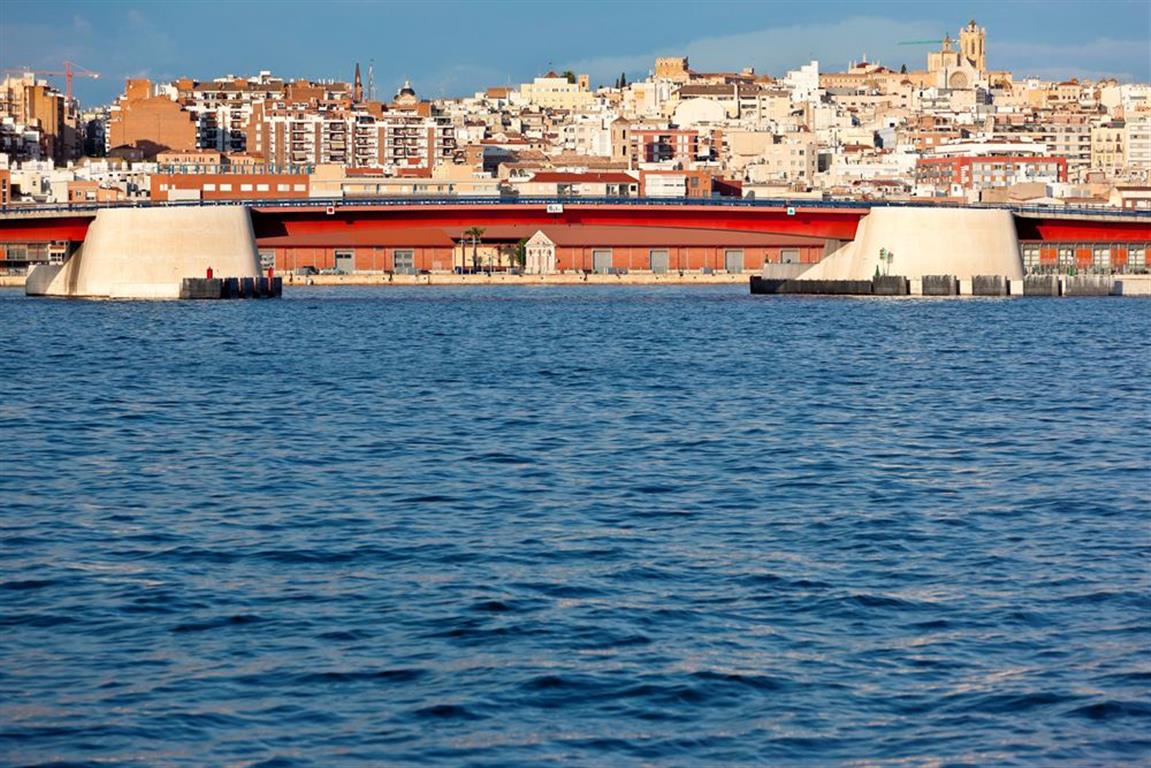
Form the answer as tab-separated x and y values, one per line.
245	187
209	187
283	187
225	187
1101	257
1066	257
261	187
404	262
1030	258
1137	258
298	188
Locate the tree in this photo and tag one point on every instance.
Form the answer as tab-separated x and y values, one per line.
569	75
520	256
623	80
903	69
475	233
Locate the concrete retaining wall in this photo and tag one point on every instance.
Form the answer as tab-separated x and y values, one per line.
813	287
1133	286
1088	285
144	253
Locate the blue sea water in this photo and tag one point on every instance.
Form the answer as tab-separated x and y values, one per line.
596	526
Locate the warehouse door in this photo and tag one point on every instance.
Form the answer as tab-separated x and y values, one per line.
345	262
405	262
733	261
659	262
601	261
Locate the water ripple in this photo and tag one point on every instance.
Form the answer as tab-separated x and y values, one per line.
529	526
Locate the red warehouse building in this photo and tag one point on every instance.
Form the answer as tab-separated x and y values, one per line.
603	249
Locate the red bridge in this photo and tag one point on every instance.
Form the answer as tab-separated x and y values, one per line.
431	233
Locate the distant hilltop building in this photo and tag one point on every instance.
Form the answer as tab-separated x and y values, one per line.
672	68
554	91
961	68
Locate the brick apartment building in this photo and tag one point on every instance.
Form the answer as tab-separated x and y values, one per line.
983	172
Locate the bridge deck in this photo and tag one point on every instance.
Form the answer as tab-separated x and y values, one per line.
833	219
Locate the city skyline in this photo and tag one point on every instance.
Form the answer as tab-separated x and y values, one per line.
503	43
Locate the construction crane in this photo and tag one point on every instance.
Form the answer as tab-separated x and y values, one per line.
71	69
946	41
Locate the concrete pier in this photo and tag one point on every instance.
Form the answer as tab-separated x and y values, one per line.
890	285
1041	285
760	285
1089	285
924	241
990	285
145	253
231	288
940	285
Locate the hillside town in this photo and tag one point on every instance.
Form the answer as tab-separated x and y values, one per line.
953	131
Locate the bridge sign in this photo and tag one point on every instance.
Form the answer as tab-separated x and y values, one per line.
555	207
790	211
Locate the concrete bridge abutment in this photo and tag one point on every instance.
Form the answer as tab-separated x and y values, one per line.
145	253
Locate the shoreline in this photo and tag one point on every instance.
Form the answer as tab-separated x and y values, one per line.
1135	285
450	278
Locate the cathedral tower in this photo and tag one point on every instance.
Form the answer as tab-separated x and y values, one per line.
973	46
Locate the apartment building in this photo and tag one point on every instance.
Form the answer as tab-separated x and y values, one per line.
977	172
152	122
552	91
40	124
1109	148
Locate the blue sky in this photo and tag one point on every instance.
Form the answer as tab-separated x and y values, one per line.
455	48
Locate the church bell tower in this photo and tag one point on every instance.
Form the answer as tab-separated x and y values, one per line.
973	46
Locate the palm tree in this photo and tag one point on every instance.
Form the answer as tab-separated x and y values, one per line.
475	233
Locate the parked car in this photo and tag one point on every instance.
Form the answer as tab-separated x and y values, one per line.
306	271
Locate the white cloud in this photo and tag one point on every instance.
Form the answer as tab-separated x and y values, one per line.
1127	60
